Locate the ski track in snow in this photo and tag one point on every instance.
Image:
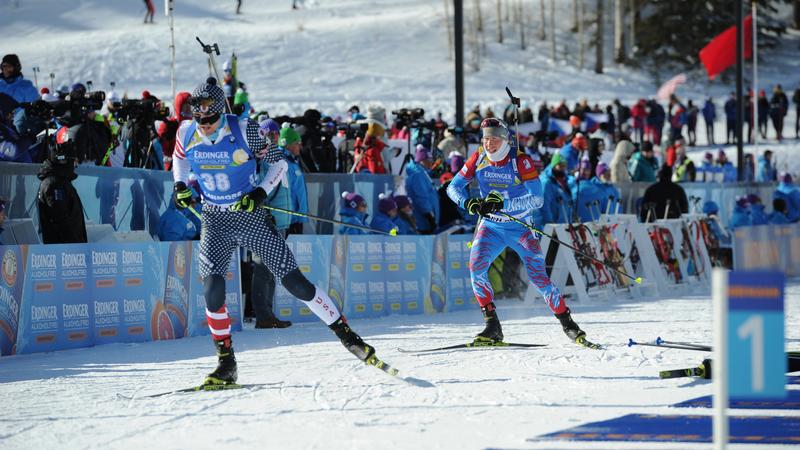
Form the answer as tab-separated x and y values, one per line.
319	397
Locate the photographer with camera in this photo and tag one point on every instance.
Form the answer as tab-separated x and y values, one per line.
317	153
60	208
138	134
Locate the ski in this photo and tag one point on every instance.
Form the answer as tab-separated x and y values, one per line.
701	371
474	344
583	342
378	363
200	388
680	373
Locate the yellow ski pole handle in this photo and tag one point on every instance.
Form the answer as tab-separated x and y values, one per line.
393	232
638	280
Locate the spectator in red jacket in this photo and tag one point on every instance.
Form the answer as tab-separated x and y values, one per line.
638	114
368	151
169	127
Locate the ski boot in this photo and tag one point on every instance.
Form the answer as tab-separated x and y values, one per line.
351	341
493	331
571	329
225	373
272	322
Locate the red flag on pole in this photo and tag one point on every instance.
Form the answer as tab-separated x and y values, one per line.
720	53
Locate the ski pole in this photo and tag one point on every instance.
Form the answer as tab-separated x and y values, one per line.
638	280
631	343
338	222
210	49
660	341
194	211
516	102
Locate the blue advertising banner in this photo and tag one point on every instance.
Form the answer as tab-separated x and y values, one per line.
126	288
197	299
757	362
436	300
12	270
337	284
56	312
365	294
459	287
178	283
416	275
313	255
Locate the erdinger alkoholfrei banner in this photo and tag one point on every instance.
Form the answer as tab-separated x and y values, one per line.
313	256
126	288
198	326
78	295
365	286
12	274
176	292
459	286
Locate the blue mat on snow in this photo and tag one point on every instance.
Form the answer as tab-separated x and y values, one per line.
678	428
792	401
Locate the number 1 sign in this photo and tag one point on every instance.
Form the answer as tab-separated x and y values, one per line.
756	357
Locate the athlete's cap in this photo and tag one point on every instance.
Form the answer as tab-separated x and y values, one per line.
494	127
208	98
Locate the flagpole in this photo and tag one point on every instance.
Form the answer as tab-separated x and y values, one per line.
755	79
173	81
739	96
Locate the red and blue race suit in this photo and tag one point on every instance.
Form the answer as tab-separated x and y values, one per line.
517	180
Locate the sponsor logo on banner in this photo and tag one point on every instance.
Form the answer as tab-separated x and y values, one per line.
10	267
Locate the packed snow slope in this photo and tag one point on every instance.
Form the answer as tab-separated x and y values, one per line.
332	54
319	396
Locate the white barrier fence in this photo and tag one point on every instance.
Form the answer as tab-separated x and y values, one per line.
670	256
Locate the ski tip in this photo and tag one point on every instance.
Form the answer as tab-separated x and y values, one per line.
638	280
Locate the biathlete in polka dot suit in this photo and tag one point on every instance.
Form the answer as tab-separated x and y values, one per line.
221	151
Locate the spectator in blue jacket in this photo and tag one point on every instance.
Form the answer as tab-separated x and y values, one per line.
707	170
778	214
757	214
741	213
557	196
586	196
13	83
174	225
766	171
419	188
709	115
291	146
571	152
726	167
711	209
384	218
789	193
730	119
405	221
610	194
354	212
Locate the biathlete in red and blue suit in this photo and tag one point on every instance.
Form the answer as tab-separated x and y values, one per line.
509	184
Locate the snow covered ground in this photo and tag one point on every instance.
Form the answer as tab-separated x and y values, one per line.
318	396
